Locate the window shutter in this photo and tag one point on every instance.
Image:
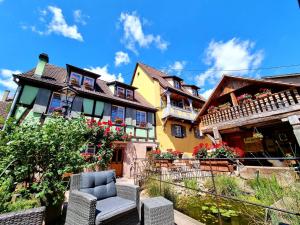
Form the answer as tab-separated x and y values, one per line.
107	112
41	101
183	129
99	108
133	116
173	130
77	107
88	105
28	94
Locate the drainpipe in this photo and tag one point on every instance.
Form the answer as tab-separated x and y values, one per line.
13	105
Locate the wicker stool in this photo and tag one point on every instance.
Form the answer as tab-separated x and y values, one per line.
157	211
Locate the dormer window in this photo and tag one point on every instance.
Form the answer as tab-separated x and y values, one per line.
177	84
75	79
120	92
129	94
88	83
195	92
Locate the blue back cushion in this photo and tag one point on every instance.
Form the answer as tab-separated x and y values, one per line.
100	184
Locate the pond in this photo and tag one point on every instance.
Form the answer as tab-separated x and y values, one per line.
205	210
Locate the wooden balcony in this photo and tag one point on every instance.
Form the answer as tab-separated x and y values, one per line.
179	113
260	110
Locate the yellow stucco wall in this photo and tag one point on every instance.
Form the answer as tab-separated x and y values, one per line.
150	89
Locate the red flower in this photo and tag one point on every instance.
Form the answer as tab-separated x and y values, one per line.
99	123
99	145
118	129
104	123
109	123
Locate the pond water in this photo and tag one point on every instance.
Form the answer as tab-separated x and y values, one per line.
205	210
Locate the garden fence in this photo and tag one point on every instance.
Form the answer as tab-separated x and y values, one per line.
261	194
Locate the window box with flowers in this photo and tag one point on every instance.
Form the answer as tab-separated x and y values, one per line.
74	81
244	98
87	85
200	151
263	93
224	106
118	120
58	111
143	124
212	109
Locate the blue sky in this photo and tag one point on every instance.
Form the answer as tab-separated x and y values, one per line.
198	40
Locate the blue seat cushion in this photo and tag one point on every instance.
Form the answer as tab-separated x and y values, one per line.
100	184
111	207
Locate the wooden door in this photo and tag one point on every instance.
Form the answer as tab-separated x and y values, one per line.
117	161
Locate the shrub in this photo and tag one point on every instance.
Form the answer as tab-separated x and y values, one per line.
22	204
267	190
191	183
225	185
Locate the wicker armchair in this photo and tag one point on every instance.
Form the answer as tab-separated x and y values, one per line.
95	198
29	217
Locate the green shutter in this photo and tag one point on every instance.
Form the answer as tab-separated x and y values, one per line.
28	95
99	108
19	112
88	105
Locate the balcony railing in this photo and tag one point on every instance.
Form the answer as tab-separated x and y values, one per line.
180	113
281	102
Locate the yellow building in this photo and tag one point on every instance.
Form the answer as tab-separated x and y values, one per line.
178	105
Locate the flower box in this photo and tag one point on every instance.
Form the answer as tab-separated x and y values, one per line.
244	98
143	124
118	121
212	109
74	82
263	93
87	86
217	165
226	105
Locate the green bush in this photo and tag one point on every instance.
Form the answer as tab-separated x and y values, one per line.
191	183
225	185
267	190
22	204
6	187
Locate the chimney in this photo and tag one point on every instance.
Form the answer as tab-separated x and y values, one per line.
43	60
5	95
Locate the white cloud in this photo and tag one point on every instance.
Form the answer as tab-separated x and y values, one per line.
134	34
231	55
6	78
121	58
79	17
207	93
176	67
105	75
56	25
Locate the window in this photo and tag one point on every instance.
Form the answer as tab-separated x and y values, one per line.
55	103
176	84
88	83
197	133
120	92
129	94
141	119
195	92
177	103
75	79
117	114
178	131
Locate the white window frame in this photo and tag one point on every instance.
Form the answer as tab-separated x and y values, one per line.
128	90
178	131
140	112
120	88
118	107
177	84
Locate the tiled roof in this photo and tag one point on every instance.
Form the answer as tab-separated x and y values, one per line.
54	75
160	76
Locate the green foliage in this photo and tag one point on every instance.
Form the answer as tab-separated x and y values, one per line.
22	204
41	154
2	120
191	183
225	185
267	190
6	187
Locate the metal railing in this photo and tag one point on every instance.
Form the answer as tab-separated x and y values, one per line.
178	113
174	173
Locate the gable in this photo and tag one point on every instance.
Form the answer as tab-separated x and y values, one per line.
231	85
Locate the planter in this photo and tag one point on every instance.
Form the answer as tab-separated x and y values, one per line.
52	214
29	216
223	107
87	86
211	111
180	155
245	101
216	165
74	82
263	95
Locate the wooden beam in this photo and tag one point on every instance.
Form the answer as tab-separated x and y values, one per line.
233	99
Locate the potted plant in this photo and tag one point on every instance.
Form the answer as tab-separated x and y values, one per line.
244	98
212	109
226	105
118	120
200	151
143	124
87	85
74	81
57	111
263	93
